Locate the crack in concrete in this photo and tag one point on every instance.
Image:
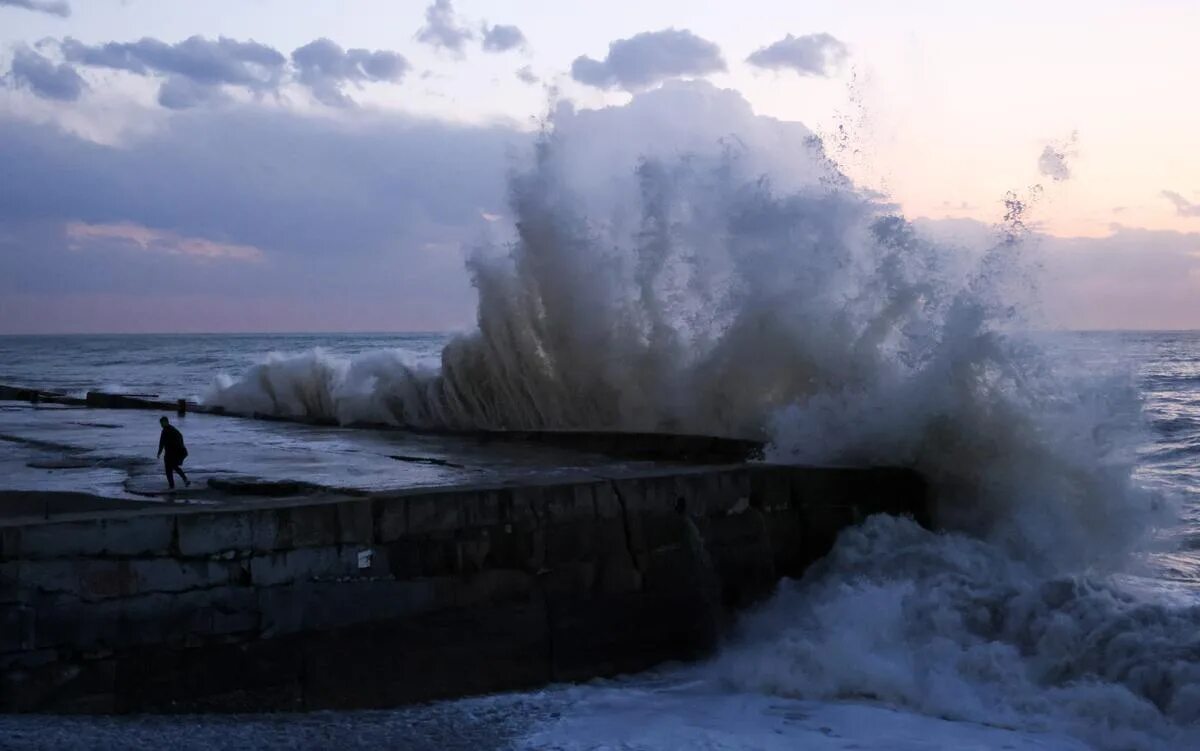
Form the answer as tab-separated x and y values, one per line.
628	527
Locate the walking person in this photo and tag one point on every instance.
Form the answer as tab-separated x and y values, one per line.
171	442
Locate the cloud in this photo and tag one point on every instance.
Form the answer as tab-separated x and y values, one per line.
197	69
645	59
443	29
53	7
334	211
324	67
1133	278
809	55
501	38
1183	206
358	225
1129	279
207	61
526	75
82	236
44	77
181	93
1053	164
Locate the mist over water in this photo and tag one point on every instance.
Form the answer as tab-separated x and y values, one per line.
681	264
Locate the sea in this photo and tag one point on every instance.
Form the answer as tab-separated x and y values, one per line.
903	639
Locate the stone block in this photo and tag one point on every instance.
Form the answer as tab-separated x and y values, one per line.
10	582
66	687
568	503
99	578
771	487
473	553
322	606
303	564
746	528
203	535
670	569
231	677
432	656
569	579
413	557
616	574
509	547
157	618
575	540
403	558
126	536
265	532
309	526
528	505
436	512
734	485
28	660
356	522
485	508
391	520
661	530
10	543
635	494
605	498
786	539
16	628
493	587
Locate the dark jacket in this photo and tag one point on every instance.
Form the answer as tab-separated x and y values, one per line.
171	443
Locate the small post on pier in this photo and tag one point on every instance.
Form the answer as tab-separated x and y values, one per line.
182	407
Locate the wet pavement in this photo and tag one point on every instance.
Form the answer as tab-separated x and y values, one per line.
111	453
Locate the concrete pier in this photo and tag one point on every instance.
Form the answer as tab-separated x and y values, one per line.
315	566
387	598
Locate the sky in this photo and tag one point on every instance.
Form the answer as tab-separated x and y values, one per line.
256	165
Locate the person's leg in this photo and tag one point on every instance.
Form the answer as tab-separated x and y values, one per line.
170	475
179	469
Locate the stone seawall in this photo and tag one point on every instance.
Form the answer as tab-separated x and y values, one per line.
384	600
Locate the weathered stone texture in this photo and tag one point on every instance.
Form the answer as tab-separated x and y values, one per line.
367	602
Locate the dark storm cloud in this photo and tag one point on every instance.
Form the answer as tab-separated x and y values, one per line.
1183	206
443	29
646	59
324	67
501	38
809	55
53	7
44	77
375	211
207	61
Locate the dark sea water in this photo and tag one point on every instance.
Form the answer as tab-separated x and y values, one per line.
174	365
883	650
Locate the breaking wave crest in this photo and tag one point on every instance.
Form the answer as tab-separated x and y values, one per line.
739	285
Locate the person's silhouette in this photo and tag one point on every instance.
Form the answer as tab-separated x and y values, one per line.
171	442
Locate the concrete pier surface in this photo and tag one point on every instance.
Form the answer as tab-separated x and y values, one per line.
61	444
320	567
